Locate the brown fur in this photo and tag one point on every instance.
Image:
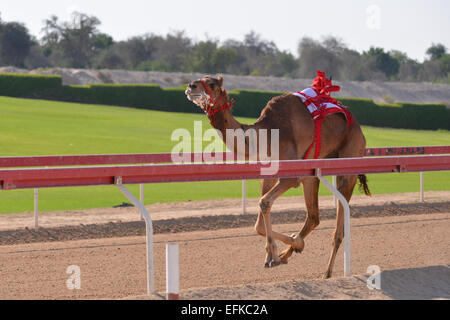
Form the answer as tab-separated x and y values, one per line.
296	128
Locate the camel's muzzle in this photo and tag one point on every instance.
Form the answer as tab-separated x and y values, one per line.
191	95
201	99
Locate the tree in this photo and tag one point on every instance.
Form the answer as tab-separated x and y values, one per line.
436	51
287	62
15	43
314	56
201	58
430	71
137	50
109	59
174	51
78	40
78	43
350	68
36	57
224	58
382	61
103	41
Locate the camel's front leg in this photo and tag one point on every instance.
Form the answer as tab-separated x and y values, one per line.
272	258
265	204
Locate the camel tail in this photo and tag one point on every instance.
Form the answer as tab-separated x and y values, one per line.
363	184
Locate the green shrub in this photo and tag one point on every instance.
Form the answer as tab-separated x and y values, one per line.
248	103
399	115
129	95
26	85
175	100
428	116
76	93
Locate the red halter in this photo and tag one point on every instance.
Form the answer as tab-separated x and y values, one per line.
210	111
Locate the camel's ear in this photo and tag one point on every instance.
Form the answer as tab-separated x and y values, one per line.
220	78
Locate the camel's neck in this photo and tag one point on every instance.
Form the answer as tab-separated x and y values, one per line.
224	120
230	130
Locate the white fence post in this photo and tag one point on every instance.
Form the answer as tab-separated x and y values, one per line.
36	208
172	272
244	196
344	203
421	188
149	234
334	196
141	197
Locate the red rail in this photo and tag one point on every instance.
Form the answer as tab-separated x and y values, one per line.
82	160
84	176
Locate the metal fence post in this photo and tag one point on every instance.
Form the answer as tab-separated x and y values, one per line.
141	197
36	208
334	196
244	196
172	272
421	188
149	234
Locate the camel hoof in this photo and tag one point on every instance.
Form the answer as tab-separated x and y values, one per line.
327	275
272	263
285	255
298	244
283	259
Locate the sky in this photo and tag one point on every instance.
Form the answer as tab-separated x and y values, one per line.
409	26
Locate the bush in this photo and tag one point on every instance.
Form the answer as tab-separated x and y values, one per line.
399	115
128	95
175	100
248	103
364	110
75	94
428	117
25	85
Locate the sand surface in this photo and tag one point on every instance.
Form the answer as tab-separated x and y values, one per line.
175	210
411	249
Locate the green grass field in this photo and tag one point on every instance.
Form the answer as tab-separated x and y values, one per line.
37	127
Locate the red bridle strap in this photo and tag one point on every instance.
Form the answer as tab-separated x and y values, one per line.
211	111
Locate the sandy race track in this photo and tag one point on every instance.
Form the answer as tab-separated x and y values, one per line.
222	259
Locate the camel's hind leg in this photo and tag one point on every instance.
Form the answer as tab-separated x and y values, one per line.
345	185
354	147
310	193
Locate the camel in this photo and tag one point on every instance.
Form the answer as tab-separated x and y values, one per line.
296	134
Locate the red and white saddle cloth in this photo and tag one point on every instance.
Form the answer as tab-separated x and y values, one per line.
319	103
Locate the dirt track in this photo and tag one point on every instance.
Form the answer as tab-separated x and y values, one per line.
199	215
408	246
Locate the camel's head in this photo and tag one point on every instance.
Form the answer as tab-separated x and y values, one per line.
207	92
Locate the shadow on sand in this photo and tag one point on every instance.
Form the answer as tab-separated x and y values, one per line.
424	283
